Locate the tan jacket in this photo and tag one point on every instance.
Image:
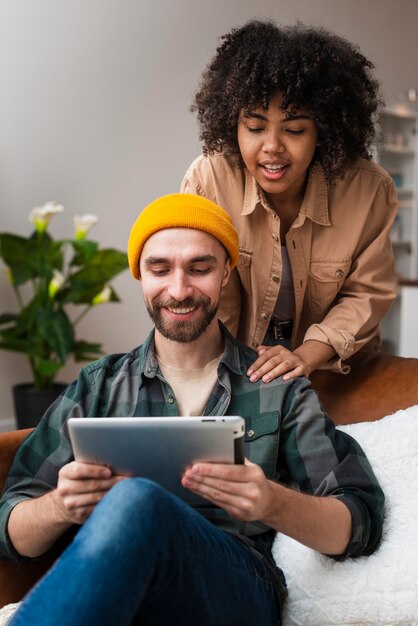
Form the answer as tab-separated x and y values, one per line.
339	250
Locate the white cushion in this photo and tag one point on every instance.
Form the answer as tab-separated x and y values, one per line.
381	589
7	612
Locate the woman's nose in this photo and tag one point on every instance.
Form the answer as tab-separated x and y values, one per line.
273	143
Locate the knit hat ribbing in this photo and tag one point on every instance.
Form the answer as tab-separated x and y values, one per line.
181	210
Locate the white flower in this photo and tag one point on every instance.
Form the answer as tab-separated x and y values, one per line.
103	296
83	224
40	216
55	284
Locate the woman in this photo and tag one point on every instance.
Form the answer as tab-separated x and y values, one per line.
287	118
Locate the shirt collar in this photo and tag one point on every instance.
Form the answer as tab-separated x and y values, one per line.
315	202
231	358
148	359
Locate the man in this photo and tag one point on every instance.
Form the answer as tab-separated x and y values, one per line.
142	555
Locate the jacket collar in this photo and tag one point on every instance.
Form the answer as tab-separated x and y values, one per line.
314	205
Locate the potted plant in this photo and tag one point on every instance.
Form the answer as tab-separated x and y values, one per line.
52	280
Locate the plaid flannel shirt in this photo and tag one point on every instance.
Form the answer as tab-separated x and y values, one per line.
287	433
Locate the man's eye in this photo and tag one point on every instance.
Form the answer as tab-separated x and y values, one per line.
156	272
200	272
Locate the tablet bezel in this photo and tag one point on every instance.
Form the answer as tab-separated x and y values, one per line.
158	448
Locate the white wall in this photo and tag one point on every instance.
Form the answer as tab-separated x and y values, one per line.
94	98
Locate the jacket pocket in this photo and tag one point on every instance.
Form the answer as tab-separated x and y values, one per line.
261	442
244	268
326	277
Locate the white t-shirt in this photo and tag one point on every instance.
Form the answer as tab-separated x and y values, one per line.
191	388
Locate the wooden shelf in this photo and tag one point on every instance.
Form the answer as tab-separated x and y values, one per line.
408	282
406	246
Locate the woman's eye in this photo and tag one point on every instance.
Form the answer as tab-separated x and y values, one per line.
291	131
255	129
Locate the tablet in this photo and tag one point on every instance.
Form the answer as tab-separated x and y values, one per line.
158	448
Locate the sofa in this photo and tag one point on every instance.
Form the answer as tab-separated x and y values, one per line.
380	387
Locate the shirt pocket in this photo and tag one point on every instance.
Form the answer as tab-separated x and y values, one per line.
326	277
261	442
244	268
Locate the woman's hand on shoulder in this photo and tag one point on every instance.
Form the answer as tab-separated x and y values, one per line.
275	361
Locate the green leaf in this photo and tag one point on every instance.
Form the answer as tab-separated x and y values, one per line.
46	255
15	345
84	284
55	329
85	351
114	296
12	247
80	294
84	252
103	267
48	369
26	320
85	296
17	254
7	318
32	257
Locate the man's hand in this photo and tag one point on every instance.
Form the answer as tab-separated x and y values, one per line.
36	523
80	488
242	490
321	523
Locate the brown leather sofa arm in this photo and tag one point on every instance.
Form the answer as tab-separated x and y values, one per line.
9	443
380	386
17	578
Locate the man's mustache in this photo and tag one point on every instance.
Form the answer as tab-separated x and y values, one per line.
171	303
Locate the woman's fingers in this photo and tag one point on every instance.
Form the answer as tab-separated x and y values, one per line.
276	361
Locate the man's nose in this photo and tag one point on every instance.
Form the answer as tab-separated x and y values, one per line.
179	287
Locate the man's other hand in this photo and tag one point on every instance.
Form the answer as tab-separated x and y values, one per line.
242	490
80	488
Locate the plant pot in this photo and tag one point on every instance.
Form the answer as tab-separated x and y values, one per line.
30	404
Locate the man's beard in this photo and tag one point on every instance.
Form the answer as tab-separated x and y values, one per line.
178	330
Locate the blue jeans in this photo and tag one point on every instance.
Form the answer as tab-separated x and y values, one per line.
144	557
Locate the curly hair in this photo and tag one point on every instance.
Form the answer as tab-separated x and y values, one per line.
313	69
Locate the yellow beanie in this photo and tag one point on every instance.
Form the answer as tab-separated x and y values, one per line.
181	210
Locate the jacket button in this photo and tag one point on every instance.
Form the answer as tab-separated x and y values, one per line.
250	433
275	236
264	316
170	399
275	278
339	273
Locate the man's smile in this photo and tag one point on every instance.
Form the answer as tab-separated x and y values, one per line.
181	311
